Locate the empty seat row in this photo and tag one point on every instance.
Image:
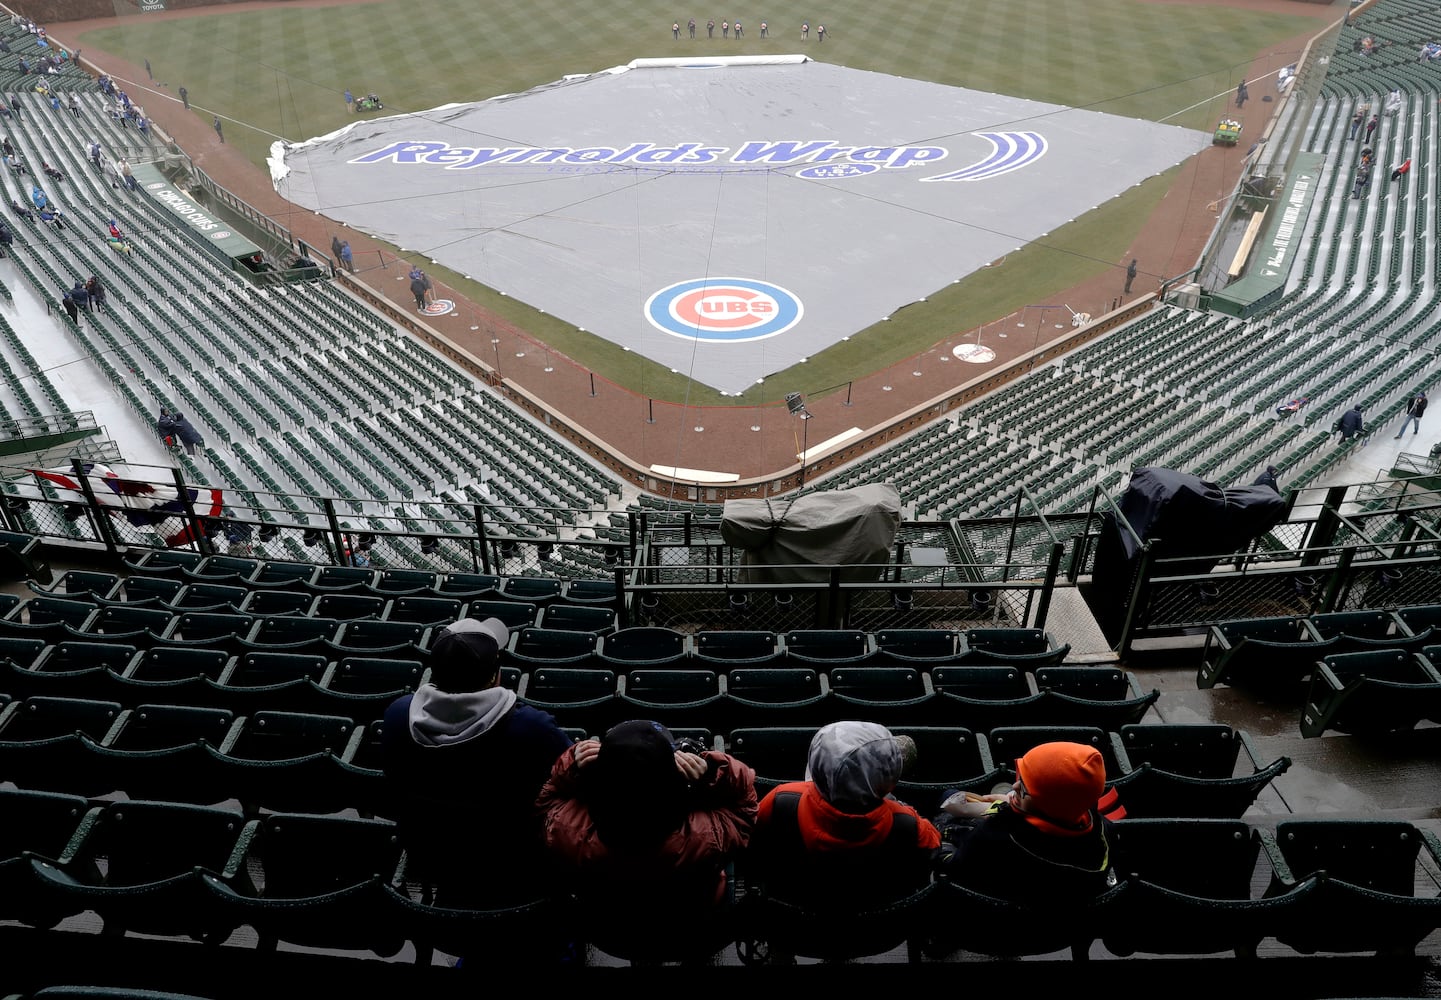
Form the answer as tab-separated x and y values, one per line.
359	687
725	649
1359	671
260	573
221	627
594	695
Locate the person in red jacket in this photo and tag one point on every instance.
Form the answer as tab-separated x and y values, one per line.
839	838
1404	168
643	830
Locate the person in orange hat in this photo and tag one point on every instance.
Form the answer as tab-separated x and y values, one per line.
1045	839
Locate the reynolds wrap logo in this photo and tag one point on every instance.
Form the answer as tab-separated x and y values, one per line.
684	154
819	159
723	310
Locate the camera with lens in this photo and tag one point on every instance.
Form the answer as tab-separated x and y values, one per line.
689	744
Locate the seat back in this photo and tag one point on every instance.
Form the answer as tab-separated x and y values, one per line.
925	645
1194	750
579	618
42	718
162	664
209	597
1377	854
345	607
162	727
826	646
1010	743
373	675
424	610
642	645
289	735
727	648
515	614
42	823
989	683
551	646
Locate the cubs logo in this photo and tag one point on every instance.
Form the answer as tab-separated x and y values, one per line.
723	310
830	171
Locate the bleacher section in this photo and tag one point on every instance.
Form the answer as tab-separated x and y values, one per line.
278	378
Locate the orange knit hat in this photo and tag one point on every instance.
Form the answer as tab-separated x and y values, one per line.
1064	779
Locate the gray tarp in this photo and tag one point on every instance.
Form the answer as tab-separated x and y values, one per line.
726	221
804	537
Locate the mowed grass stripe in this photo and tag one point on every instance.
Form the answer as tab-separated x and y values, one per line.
283	70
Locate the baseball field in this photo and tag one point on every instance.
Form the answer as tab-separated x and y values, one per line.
281	71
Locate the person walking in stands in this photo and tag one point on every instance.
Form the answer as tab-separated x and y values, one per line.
1371	126
346	257
97	293
1356	121
1414	410
1403	169
95	154
1351	424
1130	274
80	296
1363	180
219	131
6	238
71	308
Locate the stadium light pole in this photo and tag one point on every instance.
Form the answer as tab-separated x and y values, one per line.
796	404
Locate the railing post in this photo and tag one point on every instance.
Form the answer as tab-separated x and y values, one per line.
102	522
480	533
1048	588
833	598
1141	585
622	609
197	529
1339	583
1328	521
335	534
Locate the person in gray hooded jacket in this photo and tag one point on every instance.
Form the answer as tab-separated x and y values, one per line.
464	762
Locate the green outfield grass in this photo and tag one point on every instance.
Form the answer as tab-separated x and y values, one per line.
282	72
